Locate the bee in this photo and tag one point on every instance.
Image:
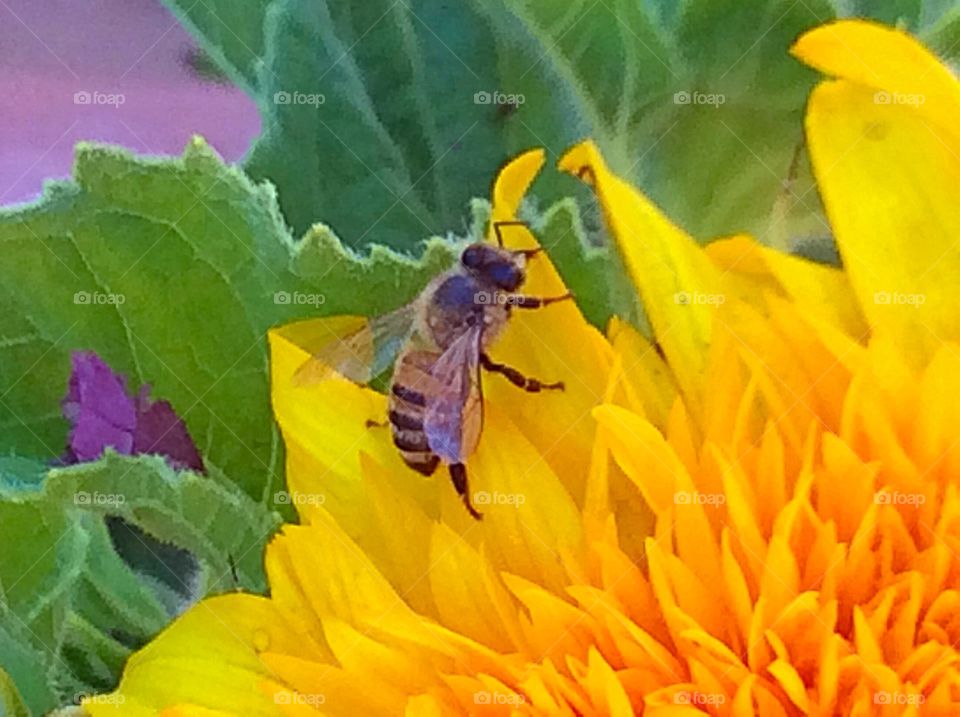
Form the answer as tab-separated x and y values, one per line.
438	344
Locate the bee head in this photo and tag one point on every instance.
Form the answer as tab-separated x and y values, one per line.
500	267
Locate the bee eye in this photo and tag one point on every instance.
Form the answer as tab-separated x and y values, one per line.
472	256
507	276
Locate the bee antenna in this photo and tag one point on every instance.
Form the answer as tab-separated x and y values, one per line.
497	226
527	253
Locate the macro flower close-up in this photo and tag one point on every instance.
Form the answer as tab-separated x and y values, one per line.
662	422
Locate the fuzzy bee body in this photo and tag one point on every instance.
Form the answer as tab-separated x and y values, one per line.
440	342
407	409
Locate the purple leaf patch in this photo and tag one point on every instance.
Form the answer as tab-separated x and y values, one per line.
102	414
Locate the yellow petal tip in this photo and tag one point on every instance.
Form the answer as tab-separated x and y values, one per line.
876	56
581	160
514	180
821	43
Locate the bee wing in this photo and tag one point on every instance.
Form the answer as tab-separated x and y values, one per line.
364	353
454	412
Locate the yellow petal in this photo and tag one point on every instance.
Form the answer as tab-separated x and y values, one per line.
650	385
324	425
467	600
554	343
192	711
643	454
512	184
678	283
530	518
815	289
885	59
887	164
334	575
604	687
423	706
212	650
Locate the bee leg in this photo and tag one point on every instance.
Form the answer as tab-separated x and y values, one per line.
498	225
370	423
532	385
458	474
535	302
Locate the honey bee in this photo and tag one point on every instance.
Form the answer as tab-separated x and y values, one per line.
438	345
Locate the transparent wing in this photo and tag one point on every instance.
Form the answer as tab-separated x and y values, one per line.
364	353
454	412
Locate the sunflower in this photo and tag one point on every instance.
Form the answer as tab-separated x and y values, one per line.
756	512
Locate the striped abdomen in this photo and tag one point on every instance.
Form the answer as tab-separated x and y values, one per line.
412	383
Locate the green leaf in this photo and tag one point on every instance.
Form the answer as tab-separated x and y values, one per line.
370	122
43	552
939	28
581	263
398	146
208	517
172	270
230	32
17	473
71	608
11	704
23	662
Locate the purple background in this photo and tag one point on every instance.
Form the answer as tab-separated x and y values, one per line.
51	49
